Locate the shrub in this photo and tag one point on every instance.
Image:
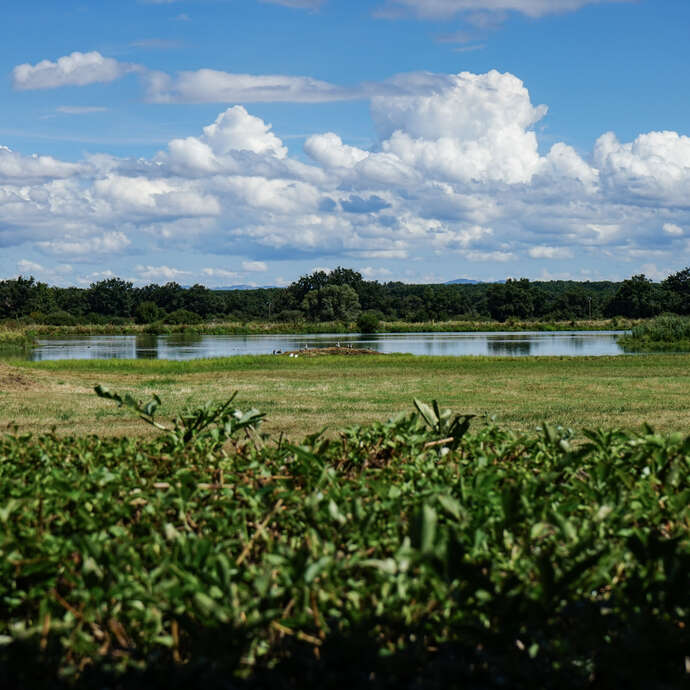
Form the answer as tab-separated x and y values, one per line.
369	322
59	318
148	312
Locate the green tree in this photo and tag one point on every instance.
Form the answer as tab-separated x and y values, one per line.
332	303
148	312
637	297
678	288
369	322
112	297
512	299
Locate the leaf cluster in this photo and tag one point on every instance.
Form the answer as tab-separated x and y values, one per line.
409	553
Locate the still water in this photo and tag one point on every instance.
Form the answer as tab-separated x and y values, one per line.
183	346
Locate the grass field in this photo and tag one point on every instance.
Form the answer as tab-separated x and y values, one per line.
301	395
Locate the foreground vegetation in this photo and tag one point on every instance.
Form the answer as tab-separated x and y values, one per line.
663	334
406	554
300	395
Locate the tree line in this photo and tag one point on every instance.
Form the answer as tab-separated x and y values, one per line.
343	295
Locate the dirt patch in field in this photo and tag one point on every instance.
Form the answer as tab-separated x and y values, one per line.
318	351
13	380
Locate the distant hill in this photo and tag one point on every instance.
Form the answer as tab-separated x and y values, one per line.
462	281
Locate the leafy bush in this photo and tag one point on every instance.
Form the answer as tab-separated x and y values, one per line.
369	322
290	316
59	318
148	312
410	553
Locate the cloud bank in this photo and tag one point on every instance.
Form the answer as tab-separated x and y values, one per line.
456	171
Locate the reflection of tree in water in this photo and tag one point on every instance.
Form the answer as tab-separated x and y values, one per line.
577	343
509	347
184	339
147	347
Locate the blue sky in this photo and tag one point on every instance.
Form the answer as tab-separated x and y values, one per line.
247	141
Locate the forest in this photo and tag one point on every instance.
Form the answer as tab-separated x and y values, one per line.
342	294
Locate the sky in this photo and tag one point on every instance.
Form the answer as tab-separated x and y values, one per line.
228	142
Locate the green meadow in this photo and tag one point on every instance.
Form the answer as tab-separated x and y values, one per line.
305	394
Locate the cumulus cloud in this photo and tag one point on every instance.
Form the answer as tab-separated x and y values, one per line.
77	69
15	167
328	150
456	172
475	128
233	131
654	166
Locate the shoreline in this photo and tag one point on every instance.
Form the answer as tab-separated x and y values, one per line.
19	335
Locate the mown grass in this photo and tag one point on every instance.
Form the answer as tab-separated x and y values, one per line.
300	395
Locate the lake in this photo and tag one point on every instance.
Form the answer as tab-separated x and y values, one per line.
184	346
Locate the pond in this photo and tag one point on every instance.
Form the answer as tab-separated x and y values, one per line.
184	346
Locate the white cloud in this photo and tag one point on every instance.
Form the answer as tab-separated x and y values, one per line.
472	128
154	197
372	273
543	252
214	86
108	243
438	9
672	229
299	4
654	166
159	273
456	174
254	266
77	69
498	256
81	109
15	167
220	273
328	150
234	130
52	274
25	267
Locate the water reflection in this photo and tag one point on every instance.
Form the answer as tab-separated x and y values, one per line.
147	347
510	348
185	346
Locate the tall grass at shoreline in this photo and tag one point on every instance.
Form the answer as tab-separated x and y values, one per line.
24	334
665	333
